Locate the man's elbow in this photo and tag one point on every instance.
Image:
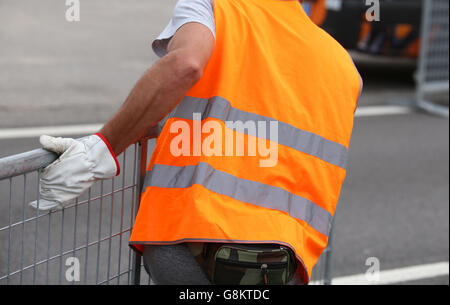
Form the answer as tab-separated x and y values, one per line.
191	69
186	67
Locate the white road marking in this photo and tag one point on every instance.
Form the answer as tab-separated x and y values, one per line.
399	275
382	111
33	132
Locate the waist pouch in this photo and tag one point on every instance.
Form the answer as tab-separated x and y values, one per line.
237	264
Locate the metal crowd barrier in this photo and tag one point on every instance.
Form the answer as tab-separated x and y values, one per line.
39	247
89	235
433	76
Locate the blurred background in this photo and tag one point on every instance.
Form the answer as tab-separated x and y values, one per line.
68	78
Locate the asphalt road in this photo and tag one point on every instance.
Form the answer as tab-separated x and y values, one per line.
394	203
52	69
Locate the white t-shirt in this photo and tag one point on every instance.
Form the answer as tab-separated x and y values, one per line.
185	11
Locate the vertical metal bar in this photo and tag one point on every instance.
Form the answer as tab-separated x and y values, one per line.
424	44
48	247
23	225
99	232
36	229
323	265
121	214
62	247
142	172
133	191
329	255
110	231
87	237
75	232
9	230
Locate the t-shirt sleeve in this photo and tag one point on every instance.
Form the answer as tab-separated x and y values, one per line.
185	11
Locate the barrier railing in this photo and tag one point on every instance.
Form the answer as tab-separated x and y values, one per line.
433	76
87	241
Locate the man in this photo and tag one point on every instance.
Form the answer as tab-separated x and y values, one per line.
237	71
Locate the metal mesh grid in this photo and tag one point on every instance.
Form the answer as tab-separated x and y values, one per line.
94	229
437	51
433	77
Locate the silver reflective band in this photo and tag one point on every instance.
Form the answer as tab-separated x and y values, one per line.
288	135
248	191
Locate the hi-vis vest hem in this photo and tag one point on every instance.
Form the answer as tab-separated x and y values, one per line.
277	81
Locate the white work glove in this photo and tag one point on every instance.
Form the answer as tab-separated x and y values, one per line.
81	163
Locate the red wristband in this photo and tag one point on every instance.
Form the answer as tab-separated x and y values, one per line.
111	151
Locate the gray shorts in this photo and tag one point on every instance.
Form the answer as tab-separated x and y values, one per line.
173	265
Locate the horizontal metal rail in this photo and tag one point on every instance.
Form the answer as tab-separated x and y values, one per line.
25	162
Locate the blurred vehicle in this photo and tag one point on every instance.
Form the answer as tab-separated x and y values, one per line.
396	34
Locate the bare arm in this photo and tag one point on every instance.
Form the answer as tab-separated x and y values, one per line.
162	87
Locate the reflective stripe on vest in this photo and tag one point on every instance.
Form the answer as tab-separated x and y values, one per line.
256	193
288	135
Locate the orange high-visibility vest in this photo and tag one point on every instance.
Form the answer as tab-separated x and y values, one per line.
271	67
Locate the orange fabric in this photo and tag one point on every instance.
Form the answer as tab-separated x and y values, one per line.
413	49
402	31
271	60
366	28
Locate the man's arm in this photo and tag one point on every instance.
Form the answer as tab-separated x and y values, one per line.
162	87
91	158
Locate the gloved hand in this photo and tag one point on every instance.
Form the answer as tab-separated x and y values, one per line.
81	163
